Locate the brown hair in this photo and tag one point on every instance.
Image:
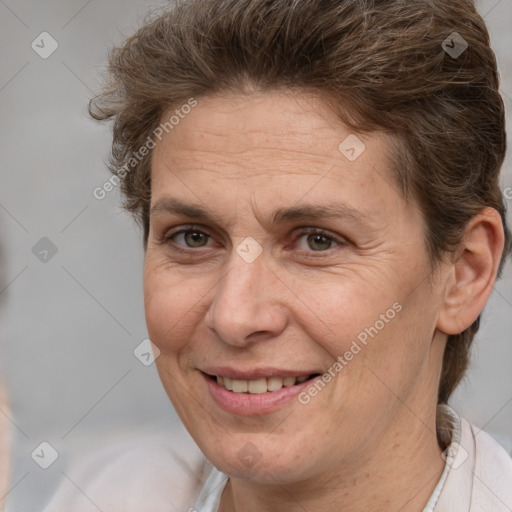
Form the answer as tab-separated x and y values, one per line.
379	63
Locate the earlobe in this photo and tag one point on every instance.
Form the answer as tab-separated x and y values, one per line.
473	272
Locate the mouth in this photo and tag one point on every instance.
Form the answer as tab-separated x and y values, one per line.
256	391
261	385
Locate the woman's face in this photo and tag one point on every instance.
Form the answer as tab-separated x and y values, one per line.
274	253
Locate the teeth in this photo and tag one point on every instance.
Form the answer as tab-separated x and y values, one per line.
289	381
259	386
256	387
239	386
274	383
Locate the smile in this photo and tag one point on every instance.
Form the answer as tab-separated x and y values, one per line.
260	386
256	394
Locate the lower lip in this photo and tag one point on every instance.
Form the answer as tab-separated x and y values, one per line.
249	404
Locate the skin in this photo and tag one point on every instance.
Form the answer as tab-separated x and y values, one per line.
367	441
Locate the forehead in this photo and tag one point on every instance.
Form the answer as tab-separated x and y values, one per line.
265	132
231	123
272	148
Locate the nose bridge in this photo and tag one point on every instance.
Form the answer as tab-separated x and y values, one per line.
241	305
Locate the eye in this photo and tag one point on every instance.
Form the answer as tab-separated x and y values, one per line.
317	240
307	240
189	237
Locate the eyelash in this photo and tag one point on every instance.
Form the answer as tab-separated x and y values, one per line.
303	232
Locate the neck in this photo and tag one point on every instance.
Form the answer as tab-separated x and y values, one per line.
400	473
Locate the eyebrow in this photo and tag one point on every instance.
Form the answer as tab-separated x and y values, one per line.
170	205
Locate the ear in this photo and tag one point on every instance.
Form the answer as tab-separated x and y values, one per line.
472	272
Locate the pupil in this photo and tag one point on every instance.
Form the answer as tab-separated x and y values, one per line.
195	238
319	240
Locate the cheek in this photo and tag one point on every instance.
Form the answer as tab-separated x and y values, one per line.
374	328
171	311
344	311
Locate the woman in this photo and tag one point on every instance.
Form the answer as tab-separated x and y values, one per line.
317	183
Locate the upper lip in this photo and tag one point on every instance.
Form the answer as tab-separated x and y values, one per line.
254	373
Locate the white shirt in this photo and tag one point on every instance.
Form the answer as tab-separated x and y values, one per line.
477	477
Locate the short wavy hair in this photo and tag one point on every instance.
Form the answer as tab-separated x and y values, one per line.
380	64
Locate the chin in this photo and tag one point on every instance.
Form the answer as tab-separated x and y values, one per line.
254	458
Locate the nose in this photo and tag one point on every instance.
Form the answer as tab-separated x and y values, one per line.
247	305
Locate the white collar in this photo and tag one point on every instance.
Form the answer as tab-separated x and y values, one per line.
449	430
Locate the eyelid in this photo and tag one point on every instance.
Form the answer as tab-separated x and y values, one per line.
183	228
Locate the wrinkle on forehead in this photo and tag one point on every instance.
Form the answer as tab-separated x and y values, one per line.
258	120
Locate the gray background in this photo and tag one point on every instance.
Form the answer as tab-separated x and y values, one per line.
69	325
